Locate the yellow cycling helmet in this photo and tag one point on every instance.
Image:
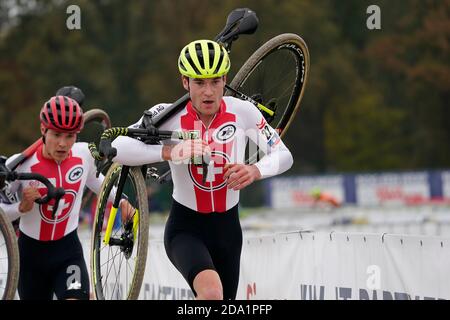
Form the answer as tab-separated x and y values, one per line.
204	59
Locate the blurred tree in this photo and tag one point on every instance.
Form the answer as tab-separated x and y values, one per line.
411	66
375	100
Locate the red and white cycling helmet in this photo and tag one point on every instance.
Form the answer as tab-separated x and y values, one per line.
62	114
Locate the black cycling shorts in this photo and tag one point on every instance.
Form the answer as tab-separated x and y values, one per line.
195	242
52	267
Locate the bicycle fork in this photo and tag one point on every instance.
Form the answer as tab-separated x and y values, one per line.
113	213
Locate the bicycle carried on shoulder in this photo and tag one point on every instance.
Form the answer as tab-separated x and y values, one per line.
273	79
9	252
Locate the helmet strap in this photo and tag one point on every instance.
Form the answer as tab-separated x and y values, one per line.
43	136
189	91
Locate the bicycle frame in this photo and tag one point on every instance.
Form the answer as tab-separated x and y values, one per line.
113	213
25	155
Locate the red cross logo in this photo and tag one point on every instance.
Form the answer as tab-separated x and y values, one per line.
214	179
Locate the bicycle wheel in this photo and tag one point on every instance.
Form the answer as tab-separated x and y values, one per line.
9	259
98	115
275	75
117	268
95	122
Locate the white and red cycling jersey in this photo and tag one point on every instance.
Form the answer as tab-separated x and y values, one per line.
73	174
227	136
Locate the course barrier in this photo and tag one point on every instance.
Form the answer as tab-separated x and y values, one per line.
320	265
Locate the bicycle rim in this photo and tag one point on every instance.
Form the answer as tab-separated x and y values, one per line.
97	115
277	70
118	270
95	122
9	259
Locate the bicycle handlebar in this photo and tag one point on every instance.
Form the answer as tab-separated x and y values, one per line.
52	192
105	149
148	135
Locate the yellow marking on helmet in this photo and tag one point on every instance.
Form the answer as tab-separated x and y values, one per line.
189	70
217	52
193	54
205	52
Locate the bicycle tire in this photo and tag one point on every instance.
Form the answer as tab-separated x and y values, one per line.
252	77
8	235
97	273
99	115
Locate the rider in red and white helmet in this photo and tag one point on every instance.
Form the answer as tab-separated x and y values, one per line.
51	254
61	119
62	114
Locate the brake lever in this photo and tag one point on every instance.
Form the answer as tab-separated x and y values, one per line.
101	167
56	194
59	193
205	172
205	164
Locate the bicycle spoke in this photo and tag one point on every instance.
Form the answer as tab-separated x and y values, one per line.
131	270
117	275
119	268
110	259
112	265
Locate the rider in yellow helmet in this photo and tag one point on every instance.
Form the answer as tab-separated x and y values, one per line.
203	59
203	65
203	236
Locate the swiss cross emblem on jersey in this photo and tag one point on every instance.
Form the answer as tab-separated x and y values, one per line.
68	175
214	178
64	207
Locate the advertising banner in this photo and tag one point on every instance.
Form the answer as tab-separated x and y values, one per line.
301	191
392	189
